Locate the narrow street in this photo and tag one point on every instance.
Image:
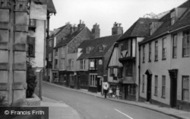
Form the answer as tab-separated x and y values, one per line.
91	107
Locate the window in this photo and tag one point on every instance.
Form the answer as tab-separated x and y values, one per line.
150	52
81	64
185	88
31	46
124	46
131	89
120	72
163	86
186	44
156	50
71	64
89	49
56	52
56	64
50	43
164	49
49	57
174	46
129	68
92	81
92	65
143	54
156	86
111	71
143	82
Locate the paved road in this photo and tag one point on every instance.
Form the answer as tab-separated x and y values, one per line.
91	107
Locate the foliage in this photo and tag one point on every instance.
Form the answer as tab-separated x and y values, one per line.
2	98
31	81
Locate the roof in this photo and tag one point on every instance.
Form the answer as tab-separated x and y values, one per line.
139	29
68	38
84	45
166	26
51	7
185	4
185	21
107	41
57	31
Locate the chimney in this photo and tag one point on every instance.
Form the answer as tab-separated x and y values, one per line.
117	29
96	31
73	28
81	25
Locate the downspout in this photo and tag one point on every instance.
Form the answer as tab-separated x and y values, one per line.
139	72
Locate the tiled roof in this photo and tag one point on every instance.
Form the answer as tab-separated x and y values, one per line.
185	21
51	7
139	29
84	45
162	29
56	31
68	38
185	4
107	41
166	27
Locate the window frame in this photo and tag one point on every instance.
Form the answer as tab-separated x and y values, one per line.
163	86
182	88
174	46
163	48
185	45
156	51
156	85
31	41
143	54
129	69
150	51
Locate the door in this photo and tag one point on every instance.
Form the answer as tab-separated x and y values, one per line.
99	86
173	87
149	89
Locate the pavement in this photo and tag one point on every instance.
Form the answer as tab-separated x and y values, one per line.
59	110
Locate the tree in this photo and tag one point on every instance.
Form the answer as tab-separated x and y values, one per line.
31	81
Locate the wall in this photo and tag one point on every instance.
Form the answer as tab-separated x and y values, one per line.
39	35
182	64
159	68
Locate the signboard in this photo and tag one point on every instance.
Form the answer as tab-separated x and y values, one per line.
38	11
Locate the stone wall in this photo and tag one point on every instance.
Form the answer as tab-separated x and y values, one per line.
14	20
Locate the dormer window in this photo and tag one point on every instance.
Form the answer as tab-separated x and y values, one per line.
89	49
173	18
101	48
176	14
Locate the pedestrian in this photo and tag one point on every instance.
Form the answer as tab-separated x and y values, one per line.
110	92
105	88
117	92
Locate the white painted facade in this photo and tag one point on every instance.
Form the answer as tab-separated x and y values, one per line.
161	67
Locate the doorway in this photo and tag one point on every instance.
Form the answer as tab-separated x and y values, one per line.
99	84
149	85
173	87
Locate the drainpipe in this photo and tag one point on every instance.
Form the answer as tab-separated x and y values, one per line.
139	67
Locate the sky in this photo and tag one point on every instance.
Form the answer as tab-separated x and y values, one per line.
106	12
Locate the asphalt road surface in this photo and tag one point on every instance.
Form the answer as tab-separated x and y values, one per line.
91	107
